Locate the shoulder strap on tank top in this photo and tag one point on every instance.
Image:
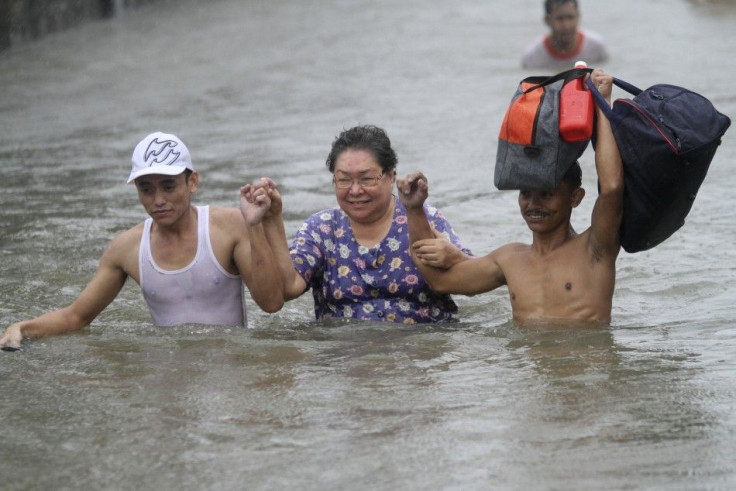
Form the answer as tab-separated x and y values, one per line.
203	229
144	247
205	240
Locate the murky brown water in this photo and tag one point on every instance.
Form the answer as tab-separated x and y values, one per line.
261	88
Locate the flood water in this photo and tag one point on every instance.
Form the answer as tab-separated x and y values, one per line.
261	87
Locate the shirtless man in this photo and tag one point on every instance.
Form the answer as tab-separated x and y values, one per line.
186	274
566	42
562	275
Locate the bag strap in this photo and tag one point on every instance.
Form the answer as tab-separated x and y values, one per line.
601	102
631	89
541	81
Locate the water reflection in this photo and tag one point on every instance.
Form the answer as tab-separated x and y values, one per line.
262	88
564	353
591	396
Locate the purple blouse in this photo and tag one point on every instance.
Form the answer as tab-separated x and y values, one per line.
379	283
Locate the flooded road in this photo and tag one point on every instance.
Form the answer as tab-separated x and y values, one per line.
261	88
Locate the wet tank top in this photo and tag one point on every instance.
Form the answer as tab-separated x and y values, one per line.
200	293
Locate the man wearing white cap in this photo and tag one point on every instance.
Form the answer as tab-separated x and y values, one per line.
190	261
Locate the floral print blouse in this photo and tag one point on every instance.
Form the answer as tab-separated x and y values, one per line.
379	283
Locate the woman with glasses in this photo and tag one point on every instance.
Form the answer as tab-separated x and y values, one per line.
355	257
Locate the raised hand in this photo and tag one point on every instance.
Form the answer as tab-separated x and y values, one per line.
603	82
413	190
255	202
273	193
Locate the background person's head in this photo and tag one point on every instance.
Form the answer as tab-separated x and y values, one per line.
549	5
562	17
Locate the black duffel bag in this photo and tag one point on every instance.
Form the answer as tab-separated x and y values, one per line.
667	137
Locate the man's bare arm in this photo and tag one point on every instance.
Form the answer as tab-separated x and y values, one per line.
469	276
254	257
608	208
293	283
98	294
439	252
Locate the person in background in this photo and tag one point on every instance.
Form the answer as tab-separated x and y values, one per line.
355	257
561	275
566	42
190	261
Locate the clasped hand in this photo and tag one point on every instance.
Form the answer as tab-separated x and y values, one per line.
413	190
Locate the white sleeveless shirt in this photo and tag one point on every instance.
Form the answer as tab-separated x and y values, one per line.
201	293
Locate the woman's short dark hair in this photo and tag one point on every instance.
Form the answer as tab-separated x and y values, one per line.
369	138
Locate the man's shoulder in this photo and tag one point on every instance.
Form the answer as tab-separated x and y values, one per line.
227	225
124	247
222	211
509	250
537	43
130	236
225	217
515	247
535	55
594	49
593	37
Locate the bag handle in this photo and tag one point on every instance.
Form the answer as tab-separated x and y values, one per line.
566	75
601	102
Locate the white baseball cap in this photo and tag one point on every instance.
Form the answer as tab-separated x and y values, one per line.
160	153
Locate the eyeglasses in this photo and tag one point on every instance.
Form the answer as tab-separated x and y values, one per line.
364	182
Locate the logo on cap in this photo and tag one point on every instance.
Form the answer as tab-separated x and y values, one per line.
161	152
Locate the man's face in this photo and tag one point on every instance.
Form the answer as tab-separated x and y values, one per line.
546	210
563	20
165	198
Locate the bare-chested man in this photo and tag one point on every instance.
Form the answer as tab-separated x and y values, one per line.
562	275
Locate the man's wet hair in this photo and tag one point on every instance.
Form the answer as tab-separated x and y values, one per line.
369	138
574	176
550	4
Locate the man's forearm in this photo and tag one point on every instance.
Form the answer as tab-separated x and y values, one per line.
276	237
607	157
266	288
